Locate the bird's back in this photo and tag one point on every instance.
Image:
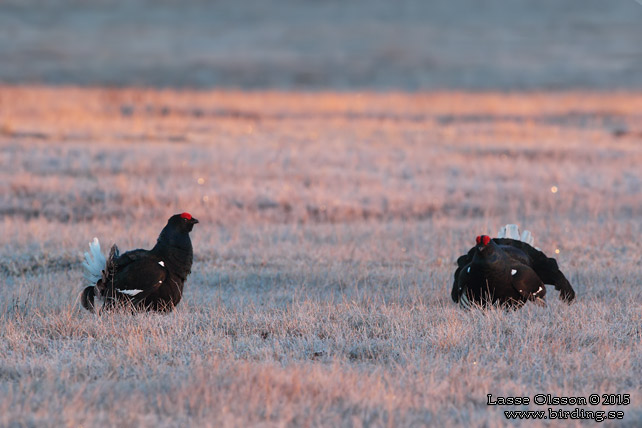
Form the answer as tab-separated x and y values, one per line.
514	250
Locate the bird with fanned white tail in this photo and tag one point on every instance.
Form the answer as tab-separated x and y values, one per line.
141	279
507	271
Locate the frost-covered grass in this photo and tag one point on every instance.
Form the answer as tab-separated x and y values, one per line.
330	224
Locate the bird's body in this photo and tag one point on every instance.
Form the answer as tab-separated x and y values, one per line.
506	271
143	279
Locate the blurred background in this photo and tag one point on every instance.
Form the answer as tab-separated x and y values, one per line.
343	45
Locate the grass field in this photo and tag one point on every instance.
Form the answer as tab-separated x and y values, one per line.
330	225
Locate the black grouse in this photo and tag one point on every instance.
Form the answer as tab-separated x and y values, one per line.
142	279
507	271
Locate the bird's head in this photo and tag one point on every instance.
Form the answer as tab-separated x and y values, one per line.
182	222
483	242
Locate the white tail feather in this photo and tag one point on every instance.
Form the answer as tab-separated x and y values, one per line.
94	263
527	237
511	231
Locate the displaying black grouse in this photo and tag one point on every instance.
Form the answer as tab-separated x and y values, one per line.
507	271
142	279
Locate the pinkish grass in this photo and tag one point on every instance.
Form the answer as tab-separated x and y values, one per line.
330	224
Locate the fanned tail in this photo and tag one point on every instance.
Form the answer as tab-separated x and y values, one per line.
99	272
110	264
511	231
94	263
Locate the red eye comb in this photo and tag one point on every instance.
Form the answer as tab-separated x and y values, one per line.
483	240
186	216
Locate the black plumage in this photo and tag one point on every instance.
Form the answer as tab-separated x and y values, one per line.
506	272
144	279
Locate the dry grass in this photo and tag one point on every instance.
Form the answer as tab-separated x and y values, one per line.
329	228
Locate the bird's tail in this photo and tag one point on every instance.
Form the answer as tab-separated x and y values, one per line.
511	231
94	263
87	298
